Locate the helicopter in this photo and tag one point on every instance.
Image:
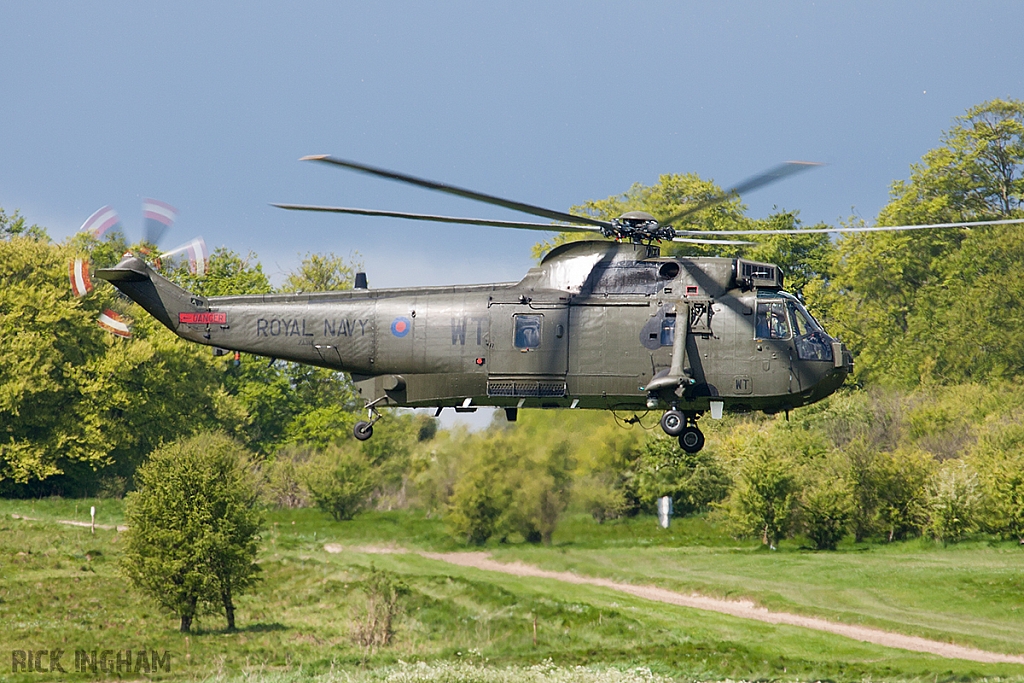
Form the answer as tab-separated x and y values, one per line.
598	324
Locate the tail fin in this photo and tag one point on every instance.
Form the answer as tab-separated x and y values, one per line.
163	299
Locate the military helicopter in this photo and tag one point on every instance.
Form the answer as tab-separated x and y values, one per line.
597	324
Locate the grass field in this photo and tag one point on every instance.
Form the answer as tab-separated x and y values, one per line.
59	588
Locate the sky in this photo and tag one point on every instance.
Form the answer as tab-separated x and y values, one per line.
209	106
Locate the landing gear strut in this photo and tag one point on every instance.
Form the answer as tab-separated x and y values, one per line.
364	429
683	425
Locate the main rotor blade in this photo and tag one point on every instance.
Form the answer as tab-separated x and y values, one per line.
690	240
873	228
442	219
458	191
750	184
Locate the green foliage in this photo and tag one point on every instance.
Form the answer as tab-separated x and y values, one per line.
322	273
513	481
194	527
695	481
227	274
763	502
74	399
14	226
940	305
282	478
998	459
954	497
901	479
827	509
374	625
340	480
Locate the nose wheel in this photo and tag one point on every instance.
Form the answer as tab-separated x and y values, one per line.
683	425
363	429
692	439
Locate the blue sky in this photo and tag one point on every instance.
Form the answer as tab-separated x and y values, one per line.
209	106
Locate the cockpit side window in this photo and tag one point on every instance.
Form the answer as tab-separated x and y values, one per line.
772	320
811	341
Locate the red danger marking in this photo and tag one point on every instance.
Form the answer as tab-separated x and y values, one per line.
203	318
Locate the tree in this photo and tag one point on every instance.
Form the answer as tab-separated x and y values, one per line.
827	508
194	527
322	273
901	478
76	403
940	304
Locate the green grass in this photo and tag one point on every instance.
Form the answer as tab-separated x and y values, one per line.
59	588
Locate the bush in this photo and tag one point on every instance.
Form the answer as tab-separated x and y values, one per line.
282	478
901	479
695	481
598	498
375	624
194	526
999	461
827	508
953	500
764	499
340	480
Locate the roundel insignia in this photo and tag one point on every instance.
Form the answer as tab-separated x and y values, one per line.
401	326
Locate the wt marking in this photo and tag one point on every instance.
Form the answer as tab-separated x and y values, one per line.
459	329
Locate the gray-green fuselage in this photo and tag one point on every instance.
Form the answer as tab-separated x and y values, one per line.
590	327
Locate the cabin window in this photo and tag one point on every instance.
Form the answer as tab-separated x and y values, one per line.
527	331
771	320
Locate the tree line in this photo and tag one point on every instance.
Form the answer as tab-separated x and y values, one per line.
924	312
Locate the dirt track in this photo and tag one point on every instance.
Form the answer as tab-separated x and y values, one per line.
737	608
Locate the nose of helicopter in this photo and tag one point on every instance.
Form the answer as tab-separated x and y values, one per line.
834	377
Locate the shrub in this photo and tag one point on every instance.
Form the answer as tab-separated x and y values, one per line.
764	499
194	526
340	480
282	478
375	624
900	480
953	500
827	509
695	481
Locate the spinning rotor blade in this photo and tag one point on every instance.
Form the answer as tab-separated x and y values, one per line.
750	184
442	219
458	191
158	216
874	228
198	255
690	240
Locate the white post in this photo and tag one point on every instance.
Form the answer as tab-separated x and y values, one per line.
664	511
92	513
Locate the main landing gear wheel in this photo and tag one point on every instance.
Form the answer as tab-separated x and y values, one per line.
673	422
363	430
691	440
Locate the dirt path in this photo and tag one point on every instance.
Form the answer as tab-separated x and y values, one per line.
737	608
119	527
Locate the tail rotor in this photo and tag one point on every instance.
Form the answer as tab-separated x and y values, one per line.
158	218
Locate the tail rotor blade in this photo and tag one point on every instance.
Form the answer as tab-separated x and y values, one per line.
198	255
158	217
78	273
102	220
114	323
